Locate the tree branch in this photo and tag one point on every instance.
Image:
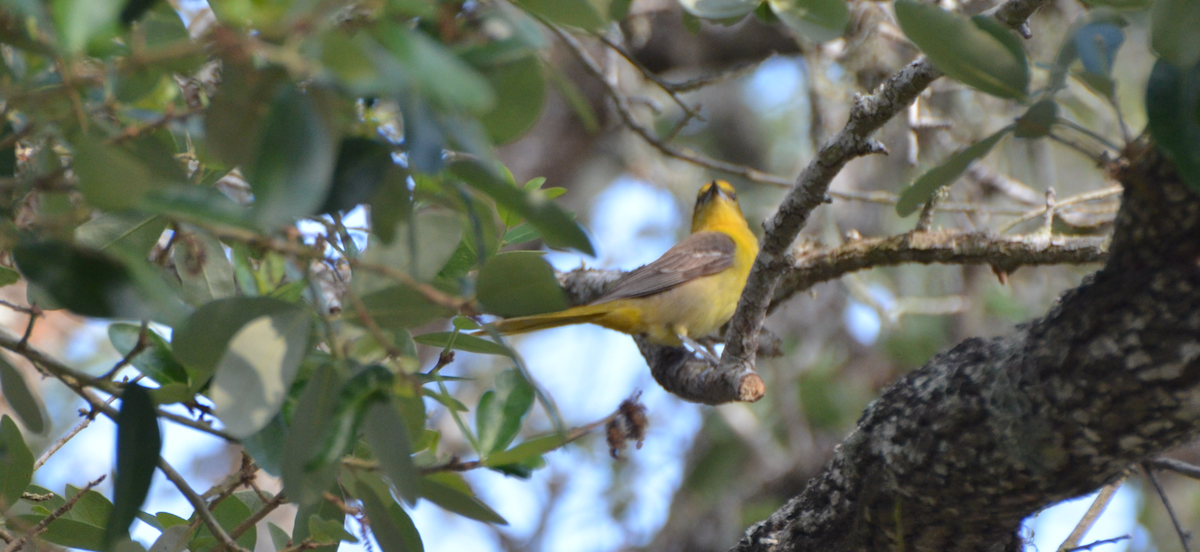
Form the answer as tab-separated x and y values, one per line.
958	452
866	116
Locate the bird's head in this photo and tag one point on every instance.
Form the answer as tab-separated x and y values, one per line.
716	204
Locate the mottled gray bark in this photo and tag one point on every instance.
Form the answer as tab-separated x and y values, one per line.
955	454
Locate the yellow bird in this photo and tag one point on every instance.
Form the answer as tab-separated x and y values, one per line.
688	293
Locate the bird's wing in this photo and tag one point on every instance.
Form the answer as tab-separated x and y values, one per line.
701	254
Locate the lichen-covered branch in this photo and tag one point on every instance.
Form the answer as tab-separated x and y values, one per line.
1004	253
868	114
956	453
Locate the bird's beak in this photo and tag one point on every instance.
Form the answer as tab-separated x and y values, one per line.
713	192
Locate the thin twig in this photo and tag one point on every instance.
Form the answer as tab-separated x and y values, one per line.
1090	517
249	522
1183	535
143	341
45	522
1094	544
202	510
1177	466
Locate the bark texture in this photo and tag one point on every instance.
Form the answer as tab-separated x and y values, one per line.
956	453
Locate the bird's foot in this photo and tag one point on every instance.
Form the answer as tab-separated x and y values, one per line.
697	348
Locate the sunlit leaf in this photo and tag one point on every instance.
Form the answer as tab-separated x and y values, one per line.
951	169
20	399
139	441
818	20
130	231
519	283
111	178
501	411
200	342
81	21
257	369
173	539
368	387
979	52
531	448
401	307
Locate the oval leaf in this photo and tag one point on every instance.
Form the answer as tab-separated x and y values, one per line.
22	401
942	175
519	283
385	431
719	9
393	529
498	418
575	13
558	228
1173	25
16	464
818	20
979	52
155	361
451	492
200	342
257	369
520	96
304	440
401	307
291	174
1172	104
139	441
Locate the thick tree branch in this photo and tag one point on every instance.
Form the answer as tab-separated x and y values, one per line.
957	453
867	115
1004	253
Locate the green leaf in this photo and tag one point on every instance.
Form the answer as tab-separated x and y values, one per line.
463	342
574	13
134	9
8	276
138	444
318	514
393	529
203	268
391	204
719	9
1097	45
945	174
362	164
155	361
292	173
520	97
83	526
451	492
328	530
81	21
279	537
435	236
531	448
235	120
385	431
818	20
229	513
124	231
436	73
1172	103
266	446
305	437
1130	5
112	179
498	418
1173	35
20	399
357	396
519	283
979	52
172	393
257	369
173	539
424	139
91	283
197	204
401	307
8	155
1037	121
200	342
16	464
558	228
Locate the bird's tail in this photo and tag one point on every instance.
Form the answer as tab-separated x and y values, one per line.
584	314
